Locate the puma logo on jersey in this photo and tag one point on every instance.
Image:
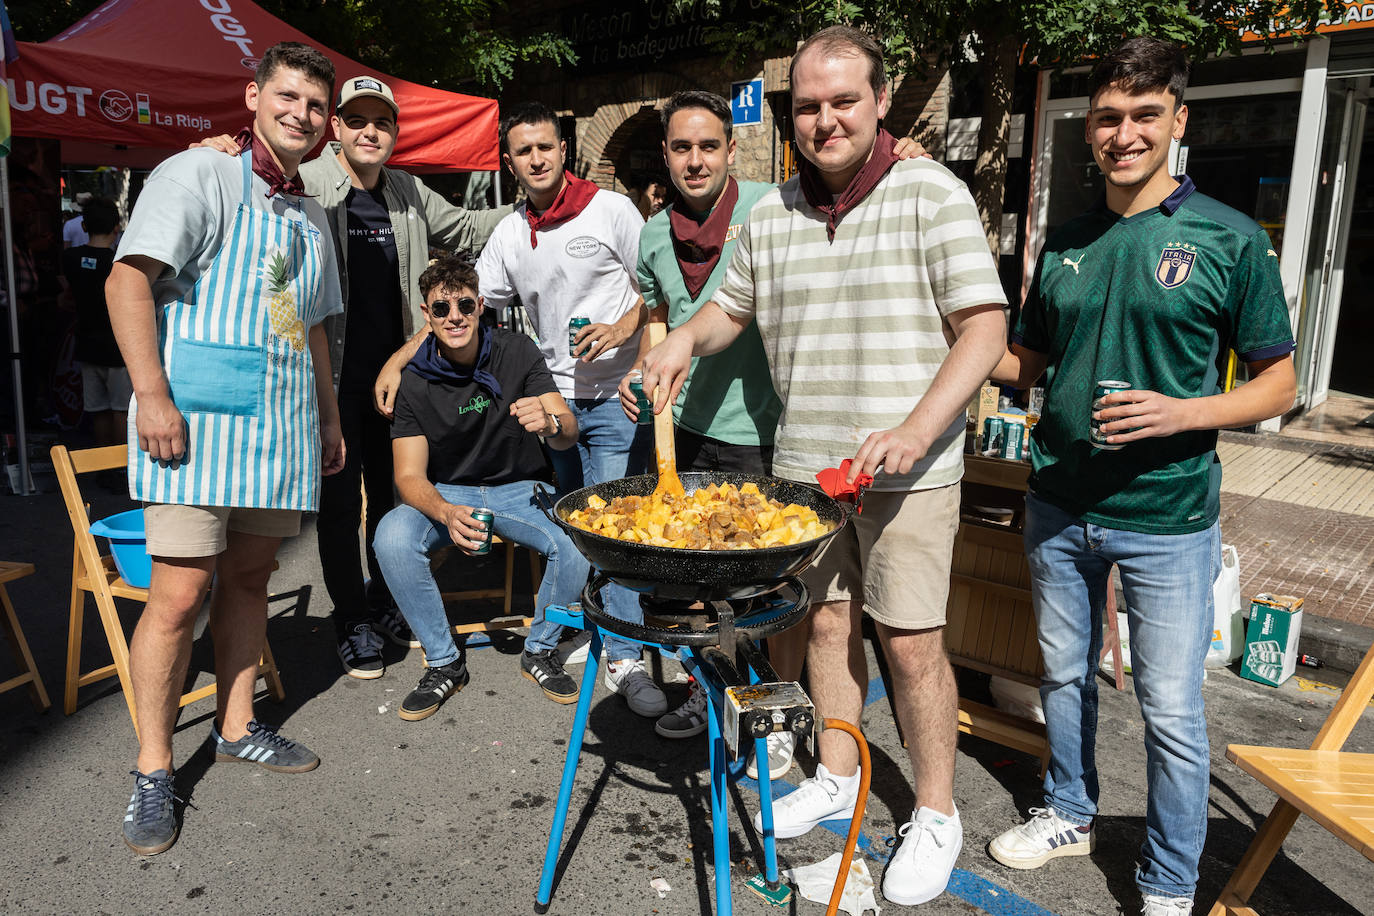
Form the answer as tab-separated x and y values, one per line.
1074	264
1271	253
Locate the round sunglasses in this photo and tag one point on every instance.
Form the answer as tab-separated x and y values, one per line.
439	307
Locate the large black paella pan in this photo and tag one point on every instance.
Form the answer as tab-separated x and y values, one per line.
695	575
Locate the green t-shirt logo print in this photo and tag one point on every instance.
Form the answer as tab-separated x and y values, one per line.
478	403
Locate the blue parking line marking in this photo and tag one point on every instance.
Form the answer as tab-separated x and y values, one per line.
974	889
876	690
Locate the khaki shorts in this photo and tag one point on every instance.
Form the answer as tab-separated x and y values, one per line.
203	531
895	556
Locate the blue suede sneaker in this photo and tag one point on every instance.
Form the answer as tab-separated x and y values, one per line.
150	821
263	746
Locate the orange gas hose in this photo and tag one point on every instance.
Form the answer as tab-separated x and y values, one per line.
855	823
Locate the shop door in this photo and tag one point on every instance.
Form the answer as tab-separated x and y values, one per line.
1324	279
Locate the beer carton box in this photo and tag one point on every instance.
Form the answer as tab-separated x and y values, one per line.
1271	640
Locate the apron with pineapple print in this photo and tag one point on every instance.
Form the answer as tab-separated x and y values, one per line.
236	355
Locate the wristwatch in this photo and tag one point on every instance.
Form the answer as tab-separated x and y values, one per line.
557	428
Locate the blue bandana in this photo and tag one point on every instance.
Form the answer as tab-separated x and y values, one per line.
432	365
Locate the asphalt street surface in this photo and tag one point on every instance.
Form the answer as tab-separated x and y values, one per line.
451	814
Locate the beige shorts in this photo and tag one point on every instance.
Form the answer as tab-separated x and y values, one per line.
895	556
203	531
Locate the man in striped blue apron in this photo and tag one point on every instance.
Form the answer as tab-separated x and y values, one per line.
217	297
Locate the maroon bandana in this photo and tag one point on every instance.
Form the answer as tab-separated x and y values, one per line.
864	181
697	245
266	168
572	200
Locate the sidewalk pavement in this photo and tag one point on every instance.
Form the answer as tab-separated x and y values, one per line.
1301	516
451	814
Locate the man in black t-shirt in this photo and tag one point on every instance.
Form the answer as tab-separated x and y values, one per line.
471	409
104	380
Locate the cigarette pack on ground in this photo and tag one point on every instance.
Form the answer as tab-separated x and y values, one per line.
1271	640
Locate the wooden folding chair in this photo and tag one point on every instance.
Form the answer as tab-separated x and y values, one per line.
505	621
18	644
94	573
1333	787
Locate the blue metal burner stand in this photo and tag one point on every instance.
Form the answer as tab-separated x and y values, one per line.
709	654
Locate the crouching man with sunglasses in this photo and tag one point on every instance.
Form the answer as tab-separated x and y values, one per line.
471	409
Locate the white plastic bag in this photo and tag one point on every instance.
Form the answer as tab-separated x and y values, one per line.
1228	639
1017	698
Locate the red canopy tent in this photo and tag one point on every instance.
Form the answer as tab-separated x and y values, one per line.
162	73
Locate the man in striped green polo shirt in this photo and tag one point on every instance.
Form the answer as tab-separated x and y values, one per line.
1151	287
853	271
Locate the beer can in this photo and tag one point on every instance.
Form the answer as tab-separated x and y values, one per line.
992	435
485	517
1012	434
1095	434
575	325
646	406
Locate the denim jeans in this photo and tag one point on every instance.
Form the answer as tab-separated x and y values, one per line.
406	536
1167	580
608	447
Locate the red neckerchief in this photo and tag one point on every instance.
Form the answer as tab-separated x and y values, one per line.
698	245
864	181
266	168
572	200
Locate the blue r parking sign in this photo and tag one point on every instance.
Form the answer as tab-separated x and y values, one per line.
746	102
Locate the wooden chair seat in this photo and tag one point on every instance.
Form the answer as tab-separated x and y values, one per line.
506	621
95	574
9	622
1334	788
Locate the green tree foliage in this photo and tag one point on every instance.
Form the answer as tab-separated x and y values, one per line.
1000	33
448	43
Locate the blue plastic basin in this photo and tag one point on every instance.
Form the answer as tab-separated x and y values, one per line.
128	544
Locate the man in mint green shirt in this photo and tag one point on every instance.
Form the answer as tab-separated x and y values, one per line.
728	410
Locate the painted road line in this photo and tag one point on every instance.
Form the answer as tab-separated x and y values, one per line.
971	888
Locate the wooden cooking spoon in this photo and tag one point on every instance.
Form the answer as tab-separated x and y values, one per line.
668	481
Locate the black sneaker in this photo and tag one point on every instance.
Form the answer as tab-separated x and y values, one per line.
263	746
435	686
150	822
545	670
361	653
391	622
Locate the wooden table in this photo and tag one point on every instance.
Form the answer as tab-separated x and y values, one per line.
990	625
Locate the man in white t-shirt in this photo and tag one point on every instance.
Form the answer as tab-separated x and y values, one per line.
570	251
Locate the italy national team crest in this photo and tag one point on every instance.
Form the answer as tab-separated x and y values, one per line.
1175	265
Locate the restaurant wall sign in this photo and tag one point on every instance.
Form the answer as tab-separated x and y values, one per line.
1353	16
635	33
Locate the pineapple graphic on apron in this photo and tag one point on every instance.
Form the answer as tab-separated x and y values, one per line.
234	349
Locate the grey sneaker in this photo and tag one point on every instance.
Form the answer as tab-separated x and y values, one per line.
150	821
689	719
390	621
263	746
629	679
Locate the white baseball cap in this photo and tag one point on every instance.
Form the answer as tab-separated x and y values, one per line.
358	87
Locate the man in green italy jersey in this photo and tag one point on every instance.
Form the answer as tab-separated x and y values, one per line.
1152	287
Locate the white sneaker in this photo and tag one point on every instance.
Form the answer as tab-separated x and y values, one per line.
1043	837
817	799
689	719
1158	905
921	866
781	746
629	679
